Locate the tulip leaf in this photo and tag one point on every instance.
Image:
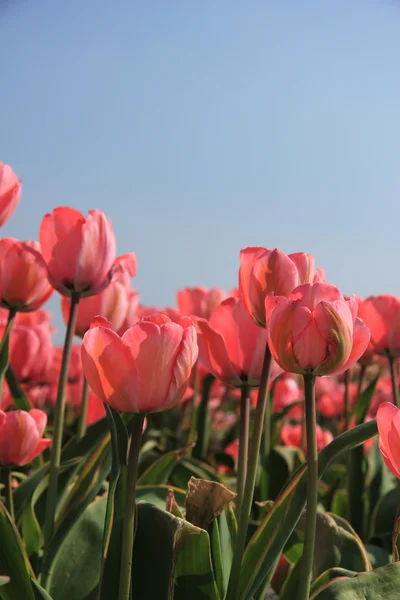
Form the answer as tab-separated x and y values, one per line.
267	543
160	470
19	397
75	566
363	403
381	584
40	593
4	579
325	578
385	513
157	495
14	562
378	556
171	536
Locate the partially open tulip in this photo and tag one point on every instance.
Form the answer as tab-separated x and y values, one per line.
231	345
146	311
79	252
263	271
199	301
23	276
382	315
113	303
147	369
10	192
315	330
21	436
388	421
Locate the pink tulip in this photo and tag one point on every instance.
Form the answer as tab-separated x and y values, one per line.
315	330
113	303
146	311
382	315
199	301
10	192
287	392
21	436
147	369
31	353
23	276
79	253
264	271
291	436
231	346
331	404
388	421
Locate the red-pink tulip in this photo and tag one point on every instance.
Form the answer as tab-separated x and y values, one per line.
382	315
23	276
75	376
199	301
147	369
388	421
21	436
383	393
31	353
146	311
113	303
231	345
264	271
10	192
315	330
331	405
287	392
291	435
79	252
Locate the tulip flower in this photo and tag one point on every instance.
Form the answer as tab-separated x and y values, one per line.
79	252
23	276
199	301
31	353
388	422
315	330
147	369
291	436
10	192
146	311
287	392
231	345
21	436
264	271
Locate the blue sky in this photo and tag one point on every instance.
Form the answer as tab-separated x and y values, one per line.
204	127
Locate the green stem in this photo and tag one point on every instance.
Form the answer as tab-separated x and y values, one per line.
306	566
254	451
84	410
200	450
244	425
55	457
346	399
395	385
193	423
8	492
128	535
4	348
267	440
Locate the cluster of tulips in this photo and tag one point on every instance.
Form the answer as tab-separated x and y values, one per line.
247	398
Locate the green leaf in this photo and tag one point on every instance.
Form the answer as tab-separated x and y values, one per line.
161	469
4	579
21	401
339	504
379	557
266	545
381	584
279	465
363	403
191	467
75	566
40	593
153	566
14	562
386	511
325	578
157	495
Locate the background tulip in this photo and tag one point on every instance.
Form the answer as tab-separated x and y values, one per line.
382	316
263	271
388	421
145	370
23	276
199	301
10	192
21	436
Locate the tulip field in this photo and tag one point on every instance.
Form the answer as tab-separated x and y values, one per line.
241	445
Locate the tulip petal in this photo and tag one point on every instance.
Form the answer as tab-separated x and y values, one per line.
213	353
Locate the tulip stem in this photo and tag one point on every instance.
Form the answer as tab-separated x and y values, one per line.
81	430
200	450
346	399
244	424
395	384
193	416
267	428
4	348
128	535
312	489
55	457
252	465
8	492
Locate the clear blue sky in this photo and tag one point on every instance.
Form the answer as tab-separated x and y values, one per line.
203	127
